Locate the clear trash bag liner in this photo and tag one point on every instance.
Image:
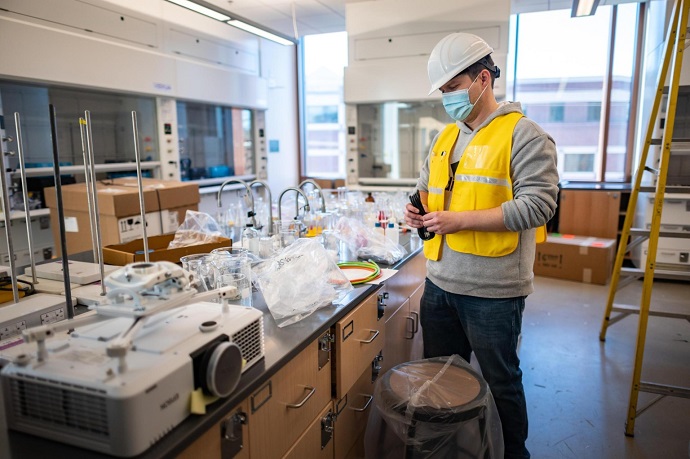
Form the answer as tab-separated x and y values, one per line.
433	408
197	228
366	243
299	280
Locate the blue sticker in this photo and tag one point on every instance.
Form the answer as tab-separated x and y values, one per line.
273	146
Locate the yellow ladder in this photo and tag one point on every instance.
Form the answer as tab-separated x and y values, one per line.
673	56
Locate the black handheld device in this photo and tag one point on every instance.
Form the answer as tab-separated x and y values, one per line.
416	201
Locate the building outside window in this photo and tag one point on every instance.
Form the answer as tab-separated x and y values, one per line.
560	83
325	57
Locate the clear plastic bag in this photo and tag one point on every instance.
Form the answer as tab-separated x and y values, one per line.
433	408
197	228
299	280
366	243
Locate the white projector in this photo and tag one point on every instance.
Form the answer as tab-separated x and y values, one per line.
77	390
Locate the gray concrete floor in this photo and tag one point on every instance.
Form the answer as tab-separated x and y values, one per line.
578	387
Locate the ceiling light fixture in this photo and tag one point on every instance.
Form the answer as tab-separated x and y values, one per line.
212	11
260	32
201	9
584	8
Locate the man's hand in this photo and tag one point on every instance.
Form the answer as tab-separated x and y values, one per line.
412	217
443	222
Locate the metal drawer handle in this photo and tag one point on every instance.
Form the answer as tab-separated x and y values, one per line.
416	320
301	404
410	318
370	340
366	405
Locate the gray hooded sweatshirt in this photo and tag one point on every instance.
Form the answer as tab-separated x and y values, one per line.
535	188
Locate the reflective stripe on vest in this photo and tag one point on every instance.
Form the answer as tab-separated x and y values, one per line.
482	181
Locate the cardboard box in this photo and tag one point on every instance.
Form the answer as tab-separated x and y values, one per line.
578	258
118	205
130	252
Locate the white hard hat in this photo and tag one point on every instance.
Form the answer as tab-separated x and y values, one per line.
453	54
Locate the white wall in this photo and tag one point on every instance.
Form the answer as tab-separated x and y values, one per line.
278	66
150	47
390	41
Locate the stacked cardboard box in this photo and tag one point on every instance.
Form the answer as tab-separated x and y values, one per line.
578	258
166	204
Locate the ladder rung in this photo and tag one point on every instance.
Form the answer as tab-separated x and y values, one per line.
630	309
670	234
669	189
652	170
658	273
663	389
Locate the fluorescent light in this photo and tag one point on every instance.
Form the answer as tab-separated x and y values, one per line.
260	32
201	9
584	8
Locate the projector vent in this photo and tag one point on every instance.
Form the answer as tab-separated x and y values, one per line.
251	342
59	405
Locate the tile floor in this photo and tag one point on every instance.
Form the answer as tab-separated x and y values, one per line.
578	387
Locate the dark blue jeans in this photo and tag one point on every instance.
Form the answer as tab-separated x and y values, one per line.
460	324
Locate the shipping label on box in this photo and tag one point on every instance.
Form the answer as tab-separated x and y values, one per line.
130	228
578	258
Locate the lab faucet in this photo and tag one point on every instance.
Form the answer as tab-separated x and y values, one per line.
249	193
318	188
280	199
257	182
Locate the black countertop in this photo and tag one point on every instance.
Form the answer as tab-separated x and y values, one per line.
595	186
281	345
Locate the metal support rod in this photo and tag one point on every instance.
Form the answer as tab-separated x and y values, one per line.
8	220
60	212
25	195
90	186
142	206
97	218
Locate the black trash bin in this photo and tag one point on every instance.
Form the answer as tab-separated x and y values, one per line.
434	408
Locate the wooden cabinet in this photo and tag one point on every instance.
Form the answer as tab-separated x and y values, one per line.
417	345
589	213
400	327
282	408
359	337
353	413
228	438
317	441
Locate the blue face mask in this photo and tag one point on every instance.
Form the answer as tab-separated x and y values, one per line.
457	103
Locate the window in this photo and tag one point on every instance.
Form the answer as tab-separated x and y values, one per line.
556	112
322	114
325	57
560	83
594	111
214	141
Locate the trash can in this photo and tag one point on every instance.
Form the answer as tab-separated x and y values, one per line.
433	408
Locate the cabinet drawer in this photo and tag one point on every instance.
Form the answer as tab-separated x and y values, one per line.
405	282
353	413
284	406
359	336
227	438
317	441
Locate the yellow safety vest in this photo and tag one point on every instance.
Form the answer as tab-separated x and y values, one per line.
482	181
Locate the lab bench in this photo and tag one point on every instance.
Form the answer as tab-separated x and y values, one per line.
309	396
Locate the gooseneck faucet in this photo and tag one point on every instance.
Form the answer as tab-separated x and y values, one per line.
251	213
257	182
280	199
318	189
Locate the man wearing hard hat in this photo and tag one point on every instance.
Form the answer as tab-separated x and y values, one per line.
488	187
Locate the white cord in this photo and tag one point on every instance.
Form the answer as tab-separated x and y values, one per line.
294	21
